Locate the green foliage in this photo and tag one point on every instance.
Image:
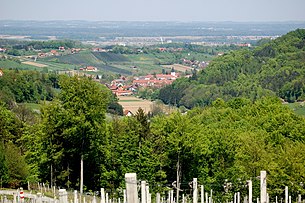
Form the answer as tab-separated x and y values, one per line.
73	127
27	86
273	68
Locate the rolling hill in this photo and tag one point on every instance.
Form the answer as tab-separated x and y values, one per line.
274	68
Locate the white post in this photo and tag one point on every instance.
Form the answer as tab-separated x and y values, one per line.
143	191
195	191
276	199
183	199
263	187
238	197
63	196
147	194
202	194
250	191
211	196
107	198
206	198
158	199
131	187
289	199
149	198
124	198
257	200
103	195
299	198
75	196
286	194
169	197
267	197
235	198
172	196
81	175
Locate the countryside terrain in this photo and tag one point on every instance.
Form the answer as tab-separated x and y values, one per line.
236	116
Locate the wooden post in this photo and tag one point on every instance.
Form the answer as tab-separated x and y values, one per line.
250	191
195	191
131	187
286	194
263	198
103	195
143	192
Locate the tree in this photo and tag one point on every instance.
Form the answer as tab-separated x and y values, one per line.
74	128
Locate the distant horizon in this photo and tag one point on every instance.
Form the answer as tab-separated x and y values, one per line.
155	11
179	21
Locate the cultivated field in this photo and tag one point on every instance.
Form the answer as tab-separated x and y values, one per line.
132	103
31	63
178	67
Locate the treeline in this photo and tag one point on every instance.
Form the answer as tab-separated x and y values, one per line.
23	86
18	86
14	45
273	68
227	142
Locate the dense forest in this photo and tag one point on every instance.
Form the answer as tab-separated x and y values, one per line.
227	141
274	68
223	144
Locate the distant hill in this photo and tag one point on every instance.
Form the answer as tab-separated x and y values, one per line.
273	68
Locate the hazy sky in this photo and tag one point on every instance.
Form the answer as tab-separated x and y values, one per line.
153	10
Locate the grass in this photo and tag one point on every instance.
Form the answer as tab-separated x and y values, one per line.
6	64
298	108
33	106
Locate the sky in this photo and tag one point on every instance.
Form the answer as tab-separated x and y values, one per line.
154	10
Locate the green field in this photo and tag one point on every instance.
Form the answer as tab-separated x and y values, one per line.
109	63
298	108
9	64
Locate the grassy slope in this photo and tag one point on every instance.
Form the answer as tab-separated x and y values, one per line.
298	108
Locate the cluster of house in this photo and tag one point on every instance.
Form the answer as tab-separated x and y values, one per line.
195	63
2	49
119	86
89	69
162	49
58	52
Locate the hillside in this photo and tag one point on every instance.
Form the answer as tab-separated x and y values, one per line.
100	60
274	68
